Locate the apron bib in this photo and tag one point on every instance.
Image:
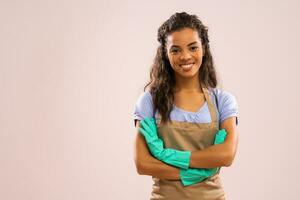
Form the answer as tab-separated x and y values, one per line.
189	136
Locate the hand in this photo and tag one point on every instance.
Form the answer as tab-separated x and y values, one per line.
220	136
149	131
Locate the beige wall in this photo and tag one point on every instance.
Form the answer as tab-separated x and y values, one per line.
71	71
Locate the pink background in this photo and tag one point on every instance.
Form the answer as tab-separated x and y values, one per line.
71	71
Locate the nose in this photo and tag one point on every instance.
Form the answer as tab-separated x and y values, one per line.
185	55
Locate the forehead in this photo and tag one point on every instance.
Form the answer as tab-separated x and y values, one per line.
183	37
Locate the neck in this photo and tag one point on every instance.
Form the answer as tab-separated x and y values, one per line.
190	84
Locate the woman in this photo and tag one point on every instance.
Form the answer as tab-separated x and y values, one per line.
188	112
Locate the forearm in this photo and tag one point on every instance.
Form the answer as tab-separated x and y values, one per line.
214	156
146	164
158	169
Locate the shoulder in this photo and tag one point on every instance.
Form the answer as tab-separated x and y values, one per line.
144	106
227	103
145	97
223	96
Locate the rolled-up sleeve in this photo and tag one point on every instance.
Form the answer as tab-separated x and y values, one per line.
228	106
143	107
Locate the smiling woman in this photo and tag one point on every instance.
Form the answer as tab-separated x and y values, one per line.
186	127
184	50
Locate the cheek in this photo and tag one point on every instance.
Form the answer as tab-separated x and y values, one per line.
172	60
199	56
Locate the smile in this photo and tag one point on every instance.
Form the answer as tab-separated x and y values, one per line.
186	66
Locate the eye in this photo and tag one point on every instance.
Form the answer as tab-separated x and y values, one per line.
174	51
194	48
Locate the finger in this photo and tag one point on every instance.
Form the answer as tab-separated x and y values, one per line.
145	124
144	133
147	121
148	137
147	128
153	120
151	124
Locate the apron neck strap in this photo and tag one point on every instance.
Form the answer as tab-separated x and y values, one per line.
211	107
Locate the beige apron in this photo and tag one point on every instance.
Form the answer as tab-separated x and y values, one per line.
189	136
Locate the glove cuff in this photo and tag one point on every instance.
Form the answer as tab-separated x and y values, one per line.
187	178
193	176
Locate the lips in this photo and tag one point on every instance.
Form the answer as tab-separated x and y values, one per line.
187	66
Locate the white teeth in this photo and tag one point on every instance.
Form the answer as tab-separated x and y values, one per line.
186	66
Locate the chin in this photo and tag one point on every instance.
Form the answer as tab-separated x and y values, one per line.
188	74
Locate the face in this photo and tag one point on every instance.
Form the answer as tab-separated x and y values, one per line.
184	50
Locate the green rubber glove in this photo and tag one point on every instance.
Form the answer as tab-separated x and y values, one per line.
220	136
170	156
154	143
192	176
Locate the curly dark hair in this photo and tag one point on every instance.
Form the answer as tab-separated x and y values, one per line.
162	76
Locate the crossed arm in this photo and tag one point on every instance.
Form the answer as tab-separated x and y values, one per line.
214	156
146	164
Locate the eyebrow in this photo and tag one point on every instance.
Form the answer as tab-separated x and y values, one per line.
188	44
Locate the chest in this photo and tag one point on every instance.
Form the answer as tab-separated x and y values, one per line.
191	102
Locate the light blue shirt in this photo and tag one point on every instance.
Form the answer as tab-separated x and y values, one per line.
227	107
